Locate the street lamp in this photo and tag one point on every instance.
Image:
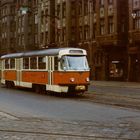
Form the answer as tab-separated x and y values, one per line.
23	11
134	17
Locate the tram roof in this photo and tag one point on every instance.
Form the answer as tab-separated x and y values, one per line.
49	52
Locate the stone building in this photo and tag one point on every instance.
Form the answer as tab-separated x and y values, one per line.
102	29
108	29
65	23
24	25
85	37
7	26
46	23
134	41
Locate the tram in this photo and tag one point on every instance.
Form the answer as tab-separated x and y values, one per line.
62	70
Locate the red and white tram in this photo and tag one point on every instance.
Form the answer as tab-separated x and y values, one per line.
58	70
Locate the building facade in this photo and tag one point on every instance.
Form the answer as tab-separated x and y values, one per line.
24	25
7	26
46	23
110	32
102	29
108	29
65	12
134	41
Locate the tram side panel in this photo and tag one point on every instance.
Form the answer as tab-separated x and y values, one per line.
8	73
35	77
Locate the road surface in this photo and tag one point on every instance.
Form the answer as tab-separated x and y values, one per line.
77	118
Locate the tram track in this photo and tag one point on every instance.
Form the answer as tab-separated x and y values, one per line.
18	132
106	99
111	99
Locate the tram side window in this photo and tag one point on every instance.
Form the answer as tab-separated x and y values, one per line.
33	62
41	63
7	63
12	63
25	63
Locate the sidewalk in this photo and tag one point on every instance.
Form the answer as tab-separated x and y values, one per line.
124	94
116	84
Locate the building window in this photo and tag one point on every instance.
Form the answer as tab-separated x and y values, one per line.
86	32
35	2
94	5
64	9
64	34
101	2
41	38
98	58
42	17
36	38
138	23
102	27
80	7
19	39
22	40
94	30
58	35
30	39
110	25
22	20
73	23
73	10
35	18
136	4
73	36
58	10
46	12
110	1
80	33
137	20
85	8
46	38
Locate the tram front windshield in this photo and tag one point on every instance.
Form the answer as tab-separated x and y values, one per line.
74	63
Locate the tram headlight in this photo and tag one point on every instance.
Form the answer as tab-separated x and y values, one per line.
87	79
72	79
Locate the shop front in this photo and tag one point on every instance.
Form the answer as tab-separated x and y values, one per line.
116	70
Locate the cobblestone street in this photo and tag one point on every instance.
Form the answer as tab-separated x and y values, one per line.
12	128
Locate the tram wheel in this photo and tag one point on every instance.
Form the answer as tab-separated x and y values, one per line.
9	84
39	89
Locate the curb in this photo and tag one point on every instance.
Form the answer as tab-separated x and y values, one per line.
115	84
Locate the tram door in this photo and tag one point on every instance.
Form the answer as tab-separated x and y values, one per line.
50	70
18	68
1	69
